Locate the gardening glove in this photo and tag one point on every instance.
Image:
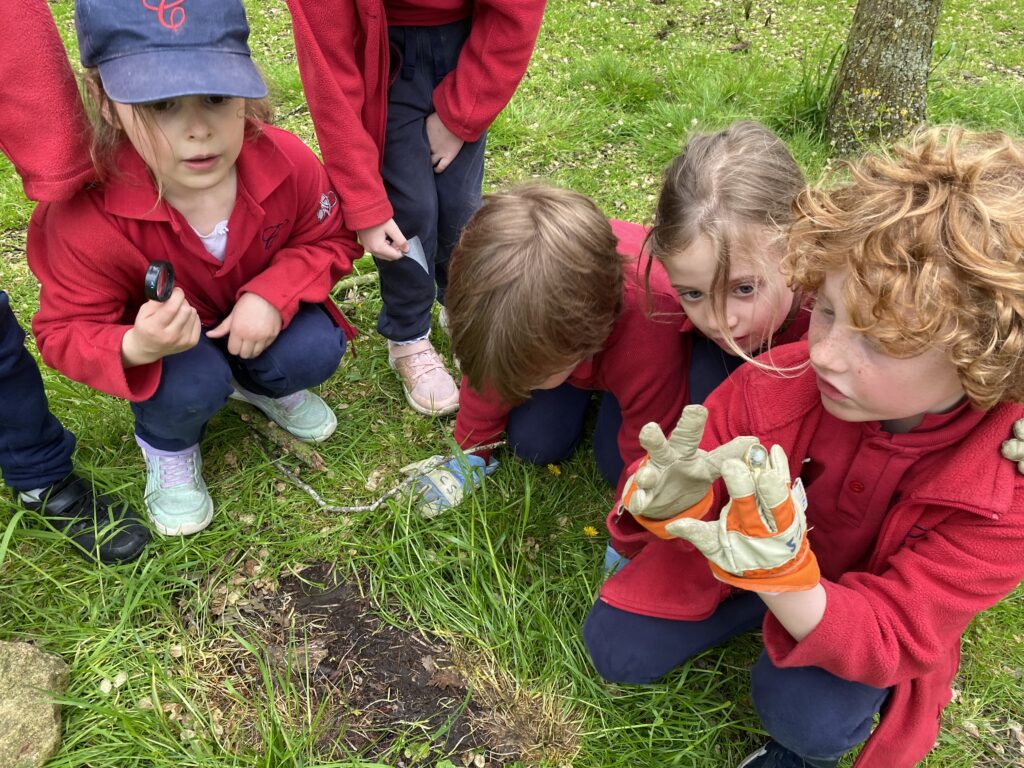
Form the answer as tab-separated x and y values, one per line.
443	486
1013	449
675	477
758	543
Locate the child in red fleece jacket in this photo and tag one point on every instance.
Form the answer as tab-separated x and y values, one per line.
243	212
908	523
402	93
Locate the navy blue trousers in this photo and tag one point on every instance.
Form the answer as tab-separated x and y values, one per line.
547	428
809	711
35	450
195	384
434	206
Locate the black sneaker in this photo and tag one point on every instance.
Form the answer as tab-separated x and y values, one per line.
774	755
73	509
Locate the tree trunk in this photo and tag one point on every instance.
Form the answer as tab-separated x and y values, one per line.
880	89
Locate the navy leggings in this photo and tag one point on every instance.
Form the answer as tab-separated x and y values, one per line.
547	428
433	206
195	384
809	711
35	450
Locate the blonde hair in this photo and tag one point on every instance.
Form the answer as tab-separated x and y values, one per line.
932	236
725	185
107	135
535	286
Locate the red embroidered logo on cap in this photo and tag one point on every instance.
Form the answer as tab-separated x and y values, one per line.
169	12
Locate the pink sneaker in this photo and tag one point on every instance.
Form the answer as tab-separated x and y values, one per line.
428	386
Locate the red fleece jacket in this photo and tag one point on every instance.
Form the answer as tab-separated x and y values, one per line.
285	243
344	59
43	129
915	533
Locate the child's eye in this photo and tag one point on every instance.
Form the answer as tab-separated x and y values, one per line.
691	295
745	289
822	310
162	106
216	101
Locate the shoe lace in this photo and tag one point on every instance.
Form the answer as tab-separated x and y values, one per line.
177	470
422	363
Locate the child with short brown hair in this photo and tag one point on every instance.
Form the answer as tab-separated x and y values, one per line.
910	523
546	305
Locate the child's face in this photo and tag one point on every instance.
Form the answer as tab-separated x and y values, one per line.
860	382
193	142
757	303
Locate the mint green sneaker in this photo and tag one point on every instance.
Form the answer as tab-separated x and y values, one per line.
176	497
302	414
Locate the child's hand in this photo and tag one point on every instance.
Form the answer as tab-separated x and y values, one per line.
1013	449
676	474
444	486
444	145
253	325
161	328
759	542
385	241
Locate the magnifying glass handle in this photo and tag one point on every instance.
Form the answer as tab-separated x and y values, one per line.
159	281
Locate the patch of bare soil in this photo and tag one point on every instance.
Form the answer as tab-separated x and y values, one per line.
379	691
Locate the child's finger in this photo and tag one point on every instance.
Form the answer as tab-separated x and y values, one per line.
734	449
744	515
686	437
220	330
779	461
652	439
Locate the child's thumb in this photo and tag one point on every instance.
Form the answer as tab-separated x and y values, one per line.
703	535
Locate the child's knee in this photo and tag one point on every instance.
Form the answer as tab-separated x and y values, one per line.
812	712
616	660
542	448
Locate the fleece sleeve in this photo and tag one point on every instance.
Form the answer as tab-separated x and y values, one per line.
43	129
90	277
889	628
482	417
492	62
347	103
319	250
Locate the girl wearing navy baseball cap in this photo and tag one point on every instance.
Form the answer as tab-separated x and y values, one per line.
190	174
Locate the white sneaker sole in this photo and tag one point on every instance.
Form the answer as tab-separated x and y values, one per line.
186	529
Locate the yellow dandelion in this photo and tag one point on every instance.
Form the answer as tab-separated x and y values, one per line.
555	470
589	531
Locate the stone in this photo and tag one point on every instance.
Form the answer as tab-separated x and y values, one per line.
29	718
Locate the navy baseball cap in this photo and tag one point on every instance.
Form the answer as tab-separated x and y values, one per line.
148	50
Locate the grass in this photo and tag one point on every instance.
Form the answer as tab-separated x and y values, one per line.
160	676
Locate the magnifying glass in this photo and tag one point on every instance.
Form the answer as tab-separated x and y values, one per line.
159	281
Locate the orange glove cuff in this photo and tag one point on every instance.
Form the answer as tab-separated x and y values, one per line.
697	511
798	574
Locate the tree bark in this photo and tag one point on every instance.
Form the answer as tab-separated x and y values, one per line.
880	90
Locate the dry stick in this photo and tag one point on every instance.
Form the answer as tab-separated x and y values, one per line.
433	463
287	443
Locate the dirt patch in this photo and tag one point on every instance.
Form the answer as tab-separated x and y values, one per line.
378	691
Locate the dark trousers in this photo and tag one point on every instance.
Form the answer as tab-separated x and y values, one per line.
433	206
35	450
547	428
195	384
809	711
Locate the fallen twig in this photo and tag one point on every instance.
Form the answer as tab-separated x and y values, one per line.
409	481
